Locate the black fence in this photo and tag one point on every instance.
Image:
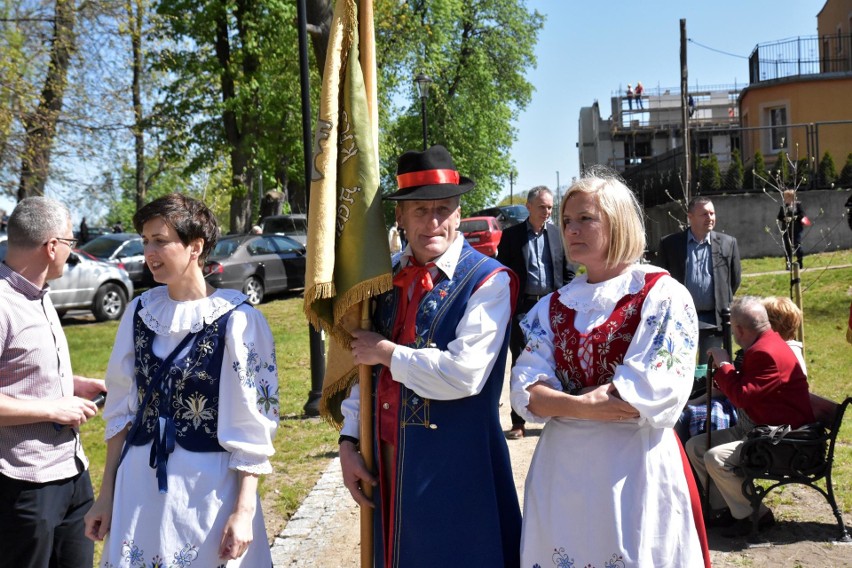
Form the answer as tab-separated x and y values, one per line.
809	55
742	160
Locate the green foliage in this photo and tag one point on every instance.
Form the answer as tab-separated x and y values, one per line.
802	173
476	54
757	173
709	176
518	198
781	171
241	87
734	175
827	172
846	174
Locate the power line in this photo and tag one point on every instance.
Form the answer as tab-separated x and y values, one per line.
690	40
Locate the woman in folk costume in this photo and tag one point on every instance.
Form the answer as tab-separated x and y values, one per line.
181	473
608	366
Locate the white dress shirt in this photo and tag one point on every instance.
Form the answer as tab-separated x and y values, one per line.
458	371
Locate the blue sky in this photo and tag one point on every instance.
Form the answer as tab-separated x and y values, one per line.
587	50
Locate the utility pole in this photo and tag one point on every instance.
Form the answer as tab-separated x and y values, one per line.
684	111
511	187
315	339
558	198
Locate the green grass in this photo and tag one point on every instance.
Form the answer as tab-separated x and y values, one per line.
303	445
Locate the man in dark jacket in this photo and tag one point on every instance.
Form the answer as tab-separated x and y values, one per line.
708	264
533	250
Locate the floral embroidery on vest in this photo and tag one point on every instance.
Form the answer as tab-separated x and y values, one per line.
189	394
590	359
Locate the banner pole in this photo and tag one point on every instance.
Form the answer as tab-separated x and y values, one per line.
365	378
367	51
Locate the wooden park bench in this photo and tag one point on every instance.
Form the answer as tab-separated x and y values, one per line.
785	460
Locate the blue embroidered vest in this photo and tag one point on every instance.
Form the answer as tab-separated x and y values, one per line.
183	403
452	464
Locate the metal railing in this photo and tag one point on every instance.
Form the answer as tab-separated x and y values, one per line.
810	55
659	179
660	91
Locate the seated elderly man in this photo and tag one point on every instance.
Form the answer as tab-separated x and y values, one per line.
770	388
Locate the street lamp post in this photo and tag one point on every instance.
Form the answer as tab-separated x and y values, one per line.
423	84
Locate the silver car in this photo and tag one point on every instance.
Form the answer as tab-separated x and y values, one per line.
89	284
92	284
124	250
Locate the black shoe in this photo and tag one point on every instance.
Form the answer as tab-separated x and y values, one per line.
723	519
743	526
516	433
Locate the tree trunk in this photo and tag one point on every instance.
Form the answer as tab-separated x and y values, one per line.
230	126
135	21
319	13
40	126
240	129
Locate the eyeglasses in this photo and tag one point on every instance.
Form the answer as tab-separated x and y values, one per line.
70	242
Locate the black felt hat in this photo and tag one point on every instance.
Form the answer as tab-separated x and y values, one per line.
428	175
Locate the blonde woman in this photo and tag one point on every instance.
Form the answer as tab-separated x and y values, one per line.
785	318
608	366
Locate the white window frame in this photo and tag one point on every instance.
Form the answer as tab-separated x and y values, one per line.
779	132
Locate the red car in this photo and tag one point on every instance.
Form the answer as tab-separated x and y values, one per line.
483	233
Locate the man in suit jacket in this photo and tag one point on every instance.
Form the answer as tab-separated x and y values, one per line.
533	250
708	264
770	388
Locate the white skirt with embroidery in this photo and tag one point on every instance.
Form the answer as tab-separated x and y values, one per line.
607	494
183	527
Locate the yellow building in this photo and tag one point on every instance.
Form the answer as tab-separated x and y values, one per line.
799	97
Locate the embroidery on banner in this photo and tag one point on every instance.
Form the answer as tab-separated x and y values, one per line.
348	148
344	200
323	131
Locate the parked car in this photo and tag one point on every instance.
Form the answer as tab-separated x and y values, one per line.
256	264
507	215
294	226
89	284
94	232
125	250
483	233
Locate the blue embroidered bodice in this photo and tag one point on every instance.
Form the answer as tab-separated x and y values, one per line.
183	400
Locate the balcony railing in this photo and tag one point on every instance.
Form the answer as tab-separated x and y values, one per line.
811	55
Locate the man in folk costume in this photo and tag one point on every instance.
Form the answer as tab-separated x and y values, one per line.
446	495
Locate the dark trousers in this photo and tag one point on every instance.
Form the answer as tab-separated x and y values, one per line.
41	524
793	248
